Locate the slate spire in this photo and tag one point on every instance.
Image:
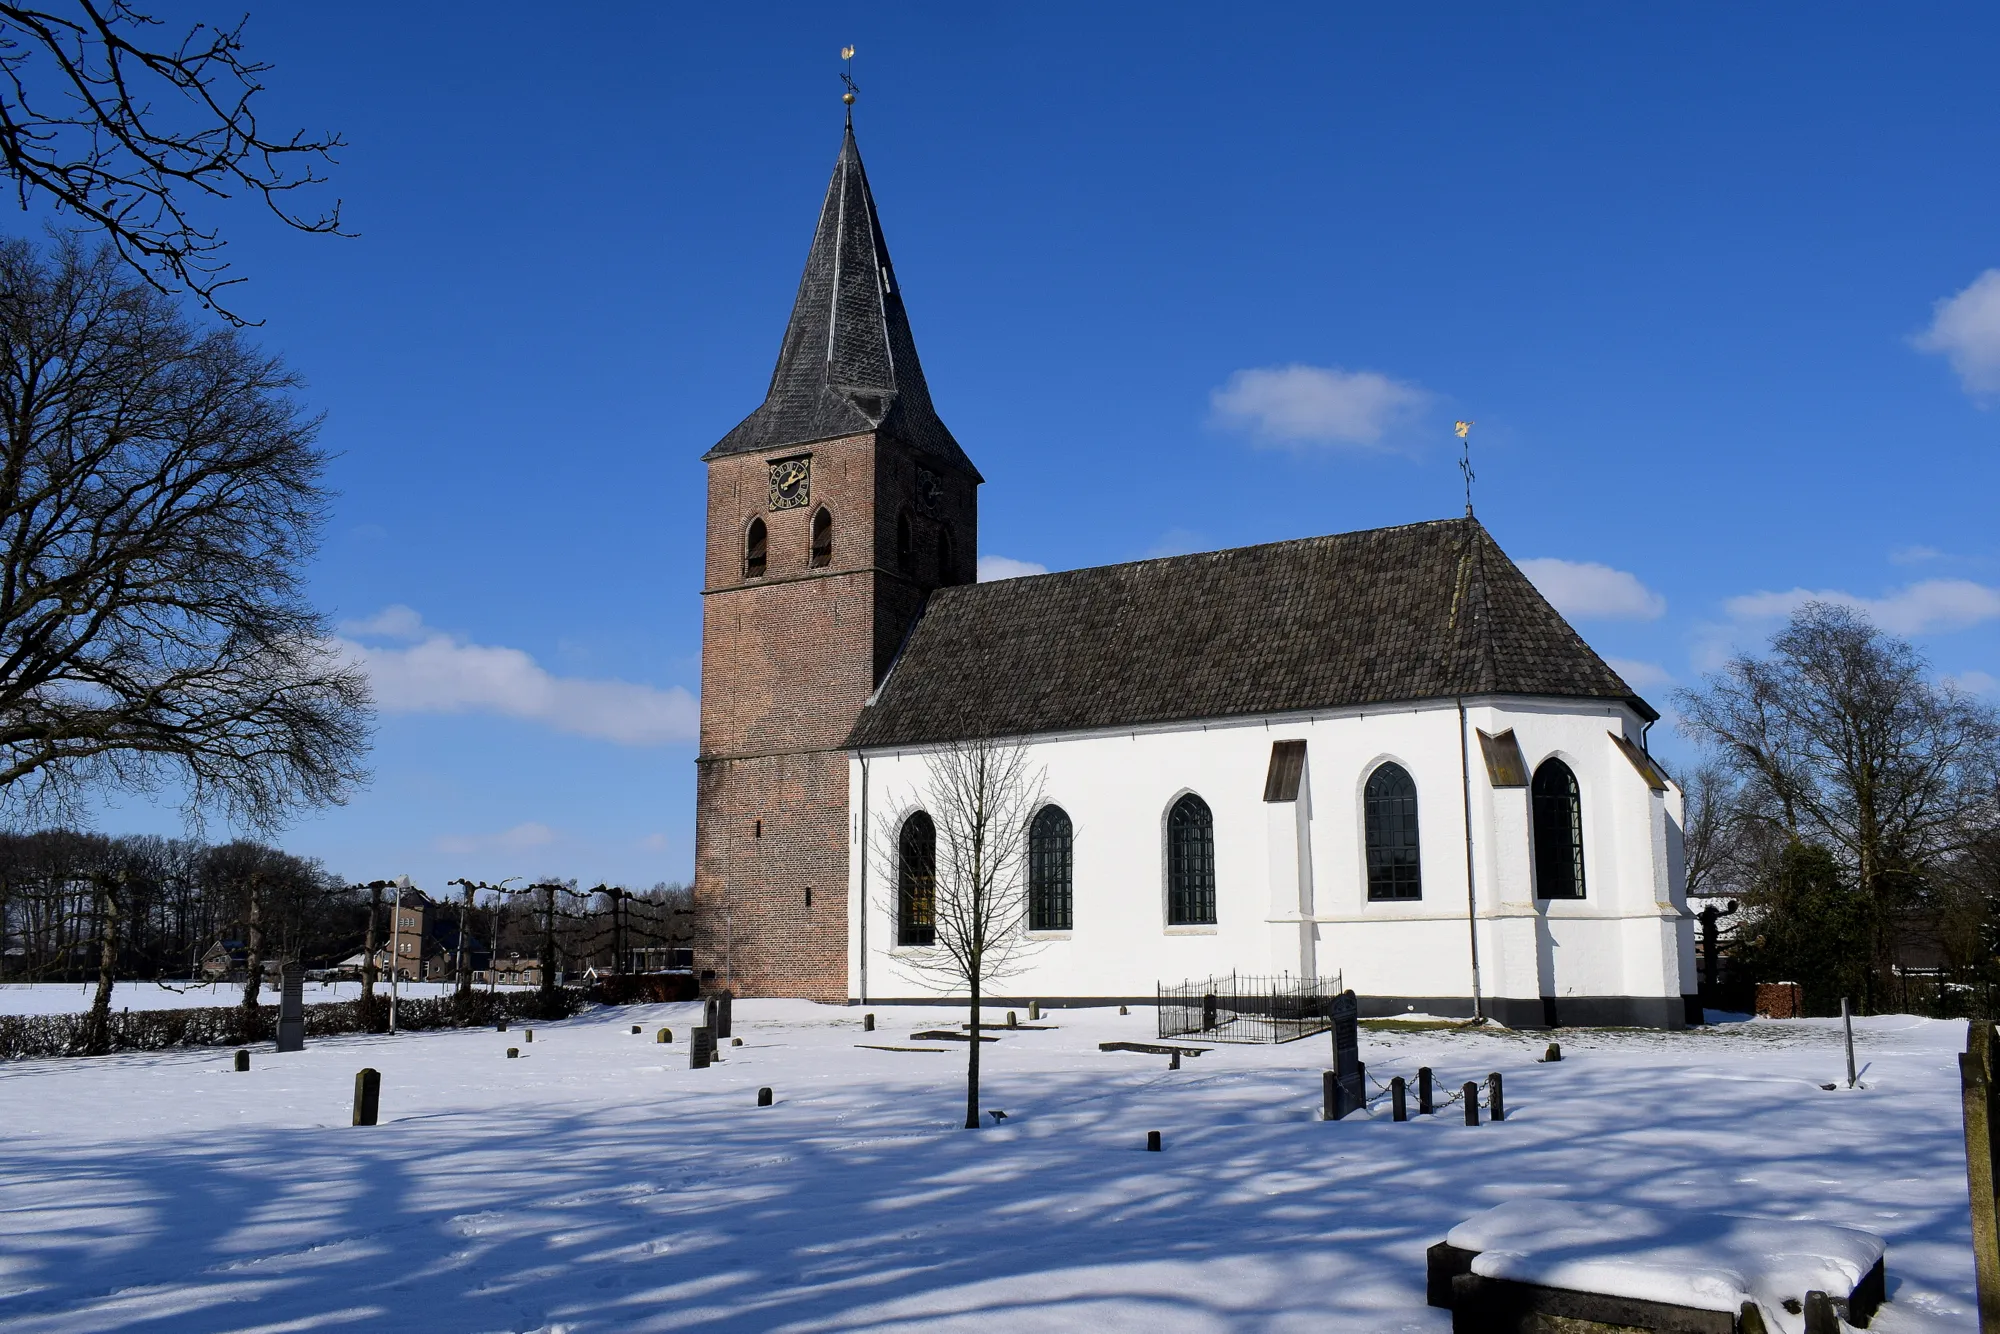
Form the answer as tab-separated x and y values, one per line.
848	364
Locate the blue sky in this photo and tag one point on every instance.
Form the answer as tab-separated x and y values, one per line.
1708	279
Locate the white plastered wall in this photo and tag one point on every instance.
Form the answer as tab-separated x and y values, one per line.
1291	881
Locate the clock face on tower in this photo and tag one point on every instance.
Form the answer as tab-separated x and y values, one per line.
791	483
930	493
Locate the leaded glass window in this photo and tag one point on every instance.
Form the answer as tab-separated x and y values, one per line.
1558	832
1049	840
1394	865
1190	863
916	882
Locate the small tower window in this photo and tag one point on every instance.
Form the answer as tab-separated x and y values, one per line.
755	549
822	549
947	557
906	545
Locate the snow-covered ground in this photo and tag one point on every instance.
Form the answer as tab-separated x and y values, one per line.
75	997
597	1183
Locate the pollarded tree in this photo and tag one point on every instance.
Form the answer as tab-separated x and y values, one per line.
160	494
966	890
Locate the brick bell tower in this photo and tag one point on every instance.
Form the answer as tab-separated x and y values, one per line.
833	511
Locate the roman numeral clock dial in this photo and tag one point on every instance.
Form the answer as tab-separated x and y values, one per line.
791	483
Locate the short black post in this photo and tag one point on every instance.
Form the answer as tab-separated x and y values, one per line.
1425	1104
1471	1094
1034	1012
242	1061
527	1035
513	1053
1011	1021
1398	1108
1152	1141
763	1097
868	1023
1554	1053
1174	1061
1496	1103
367	1096
664	1035
1361	1081
701	1045
1822	1317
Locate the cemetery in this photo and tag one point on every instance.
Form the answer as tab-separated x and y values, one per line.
767	1164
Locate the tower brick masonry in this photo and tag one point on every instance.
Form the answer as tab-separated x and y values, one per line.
846	449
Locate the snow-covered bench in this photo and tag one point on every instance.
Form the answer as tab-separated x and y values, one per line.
1532	1265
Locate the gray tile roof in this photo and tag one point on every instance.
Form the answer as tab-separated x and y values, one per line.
848	364
1424	611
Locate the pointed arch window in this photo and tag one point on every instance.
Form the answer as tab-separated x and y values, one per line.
916	881
1190	863
822	538
756	550
906	545
1049	862
1558	832
1395	869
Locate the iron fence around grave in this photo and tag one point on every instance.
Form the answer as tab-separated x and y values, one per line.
1239	1008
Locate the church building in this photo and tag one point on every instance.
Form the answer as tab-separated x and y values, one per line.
1379	756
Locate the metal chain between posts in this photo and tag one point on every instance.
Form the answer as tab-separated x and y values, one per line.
1438	1099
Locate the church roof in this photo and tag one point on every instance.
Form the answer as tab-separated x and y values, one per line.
1391	615
848	364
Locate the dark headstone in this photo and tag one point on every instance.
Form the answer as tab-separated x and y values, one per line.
736	1042
1123	1010
1174	1061
500	1027
292	1007
1398	1108
1471	1094
1496	1104
664	1035
1554	1053
722	1013
1034	1012
868	1023
242	1061
1348	1075
635	1028
527	1035
1152	1141
763	1097
1208	1009
701	1047
1011	1021
513	1053
367	1096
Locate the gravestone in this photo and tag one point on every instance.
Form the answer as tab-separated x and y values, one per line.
701	1047
292	1007
715	1013
1346	1087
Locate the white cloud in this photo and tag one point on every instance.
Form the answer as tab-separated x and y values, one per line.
1585	590
1914	555
440	673
1976	682
1006	567
1966	330
521	838
1934	604
1641	675
1314	404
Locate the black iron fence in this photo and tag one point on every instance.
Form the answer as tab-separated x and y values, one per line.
1237	1008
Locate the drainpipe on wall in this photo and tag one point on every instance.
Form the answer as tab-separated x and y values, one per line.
1471	898
861	843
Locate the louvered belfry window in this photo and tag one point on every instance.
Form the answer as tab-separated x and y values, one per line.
916	882
1190	863
1049	840
822	538
1394	866
755	547
1558	832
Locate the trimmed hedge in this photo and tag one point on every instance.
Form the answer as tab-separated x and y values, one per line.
32	1036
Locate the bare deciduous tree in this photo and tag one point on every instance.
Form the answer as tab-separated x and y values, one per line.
159	495
106	118
1841	740
980	796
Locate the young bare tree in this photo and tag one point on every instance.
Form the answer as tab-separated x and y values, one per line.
972	896
1841	740
160	496
107	118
